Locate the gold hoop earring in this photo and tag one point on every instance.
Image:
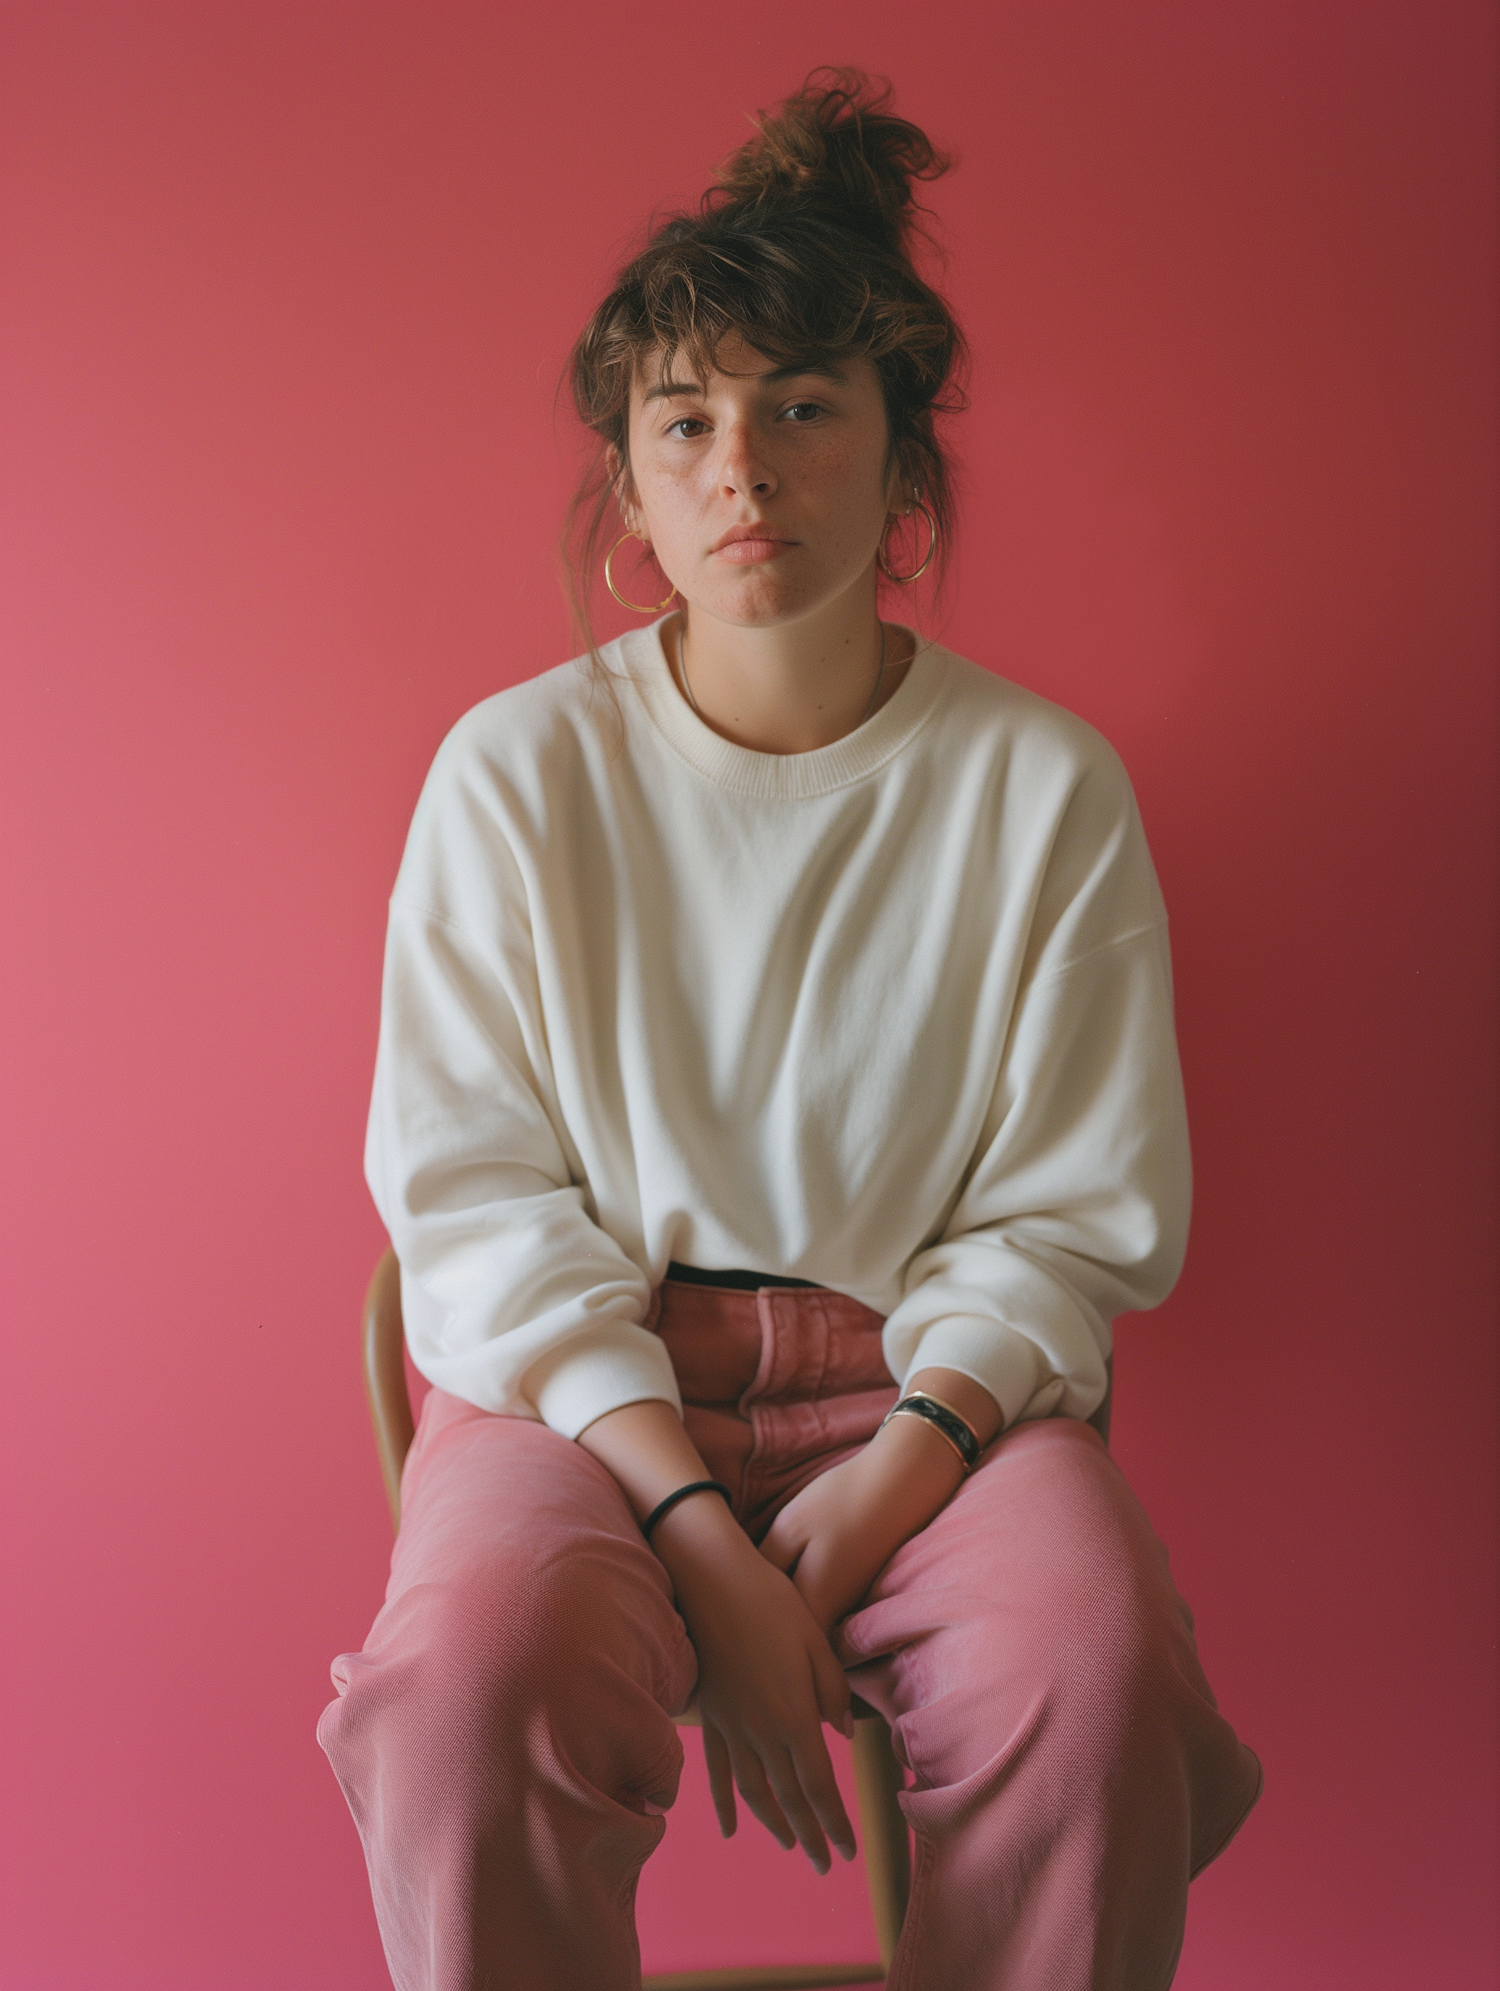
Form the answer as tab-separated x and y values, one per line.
903	580
639	607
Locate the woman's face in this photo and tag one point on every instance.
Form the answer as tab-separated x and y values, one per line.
763	491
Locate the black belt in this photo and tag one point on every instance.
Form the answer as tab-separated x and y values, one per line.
742	1282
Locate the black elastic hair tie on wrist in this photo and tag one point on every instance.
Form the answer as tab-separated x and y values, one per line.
695	1486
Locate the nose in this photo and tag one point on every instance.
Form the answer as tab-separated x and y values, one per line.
743	467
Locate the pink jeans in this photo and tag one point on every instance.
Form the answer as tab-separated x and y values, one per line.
500	1735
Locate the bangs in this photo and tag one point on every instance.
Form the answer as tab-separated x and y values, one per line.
799	303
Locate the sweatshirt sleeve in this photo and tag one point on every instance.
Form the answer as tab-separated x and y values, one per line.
515	1299
1076	1202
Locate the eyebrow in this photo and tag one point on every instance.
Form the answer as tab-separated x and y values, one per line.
671	390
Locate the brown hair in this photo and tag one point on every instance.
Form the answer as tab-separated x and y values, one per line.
803	244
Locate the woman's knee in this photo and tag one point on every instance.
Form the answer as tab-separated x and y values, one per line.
1068	1637
502	1651
1116	1669
1075	1684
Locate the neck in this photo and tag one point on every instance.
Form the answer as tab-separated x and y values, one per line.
794	687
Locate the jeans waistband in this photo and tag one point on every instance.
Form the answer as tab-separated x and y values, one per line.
738	1282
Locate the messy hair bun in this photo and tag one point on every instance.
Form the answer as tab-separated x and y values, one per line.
834	147
803	244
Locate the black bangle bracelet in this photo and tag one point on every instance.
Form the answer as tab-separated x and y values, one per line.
947	1420
695	1486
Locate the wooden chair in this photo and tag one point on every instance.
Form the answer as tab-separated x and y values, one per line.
878	1774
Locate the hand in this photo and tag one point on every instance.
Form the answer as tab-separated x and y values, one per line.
837	1534
767	1677
767	1680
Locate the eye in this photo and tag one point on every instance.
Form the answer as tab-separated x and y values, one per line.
802	412
687	426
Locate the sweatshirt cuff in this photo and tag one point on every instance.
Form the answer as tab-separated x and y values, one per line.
599	1371
1009	1366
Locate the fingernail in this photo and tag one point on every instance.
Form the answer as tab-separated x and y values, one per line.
849	1725
820	1866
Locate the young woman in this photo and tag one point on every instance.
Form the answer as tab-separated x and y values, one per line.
776	1099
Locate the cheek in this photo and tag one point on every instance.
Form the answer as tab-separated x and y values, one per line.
856	465
668	506
850	486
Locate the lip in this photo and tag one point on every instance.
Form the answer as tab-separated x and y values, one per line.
744	545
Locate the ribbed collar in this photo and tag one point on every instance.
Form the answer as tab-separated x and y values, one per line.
639	656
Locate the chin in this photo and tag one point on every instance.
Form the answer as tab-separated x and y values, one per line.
758	601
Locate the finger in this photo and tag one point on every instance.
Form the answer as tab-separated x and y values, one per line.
815	1778
720	1779
831	1685
801	1815
755	1789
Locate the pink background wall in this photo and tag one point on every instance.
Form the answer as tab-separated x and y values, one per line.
288	288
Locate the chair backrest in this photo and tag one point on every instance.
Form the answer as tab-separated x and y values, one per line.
385	1376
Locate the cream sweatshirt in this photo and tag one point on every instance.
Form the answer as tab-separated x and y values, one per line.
894	1016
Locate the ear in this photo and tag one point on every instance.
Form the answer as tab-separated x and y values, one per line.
901	488
622	488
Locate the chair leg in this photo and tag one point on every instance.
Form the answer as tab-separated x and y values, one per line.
879	1777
